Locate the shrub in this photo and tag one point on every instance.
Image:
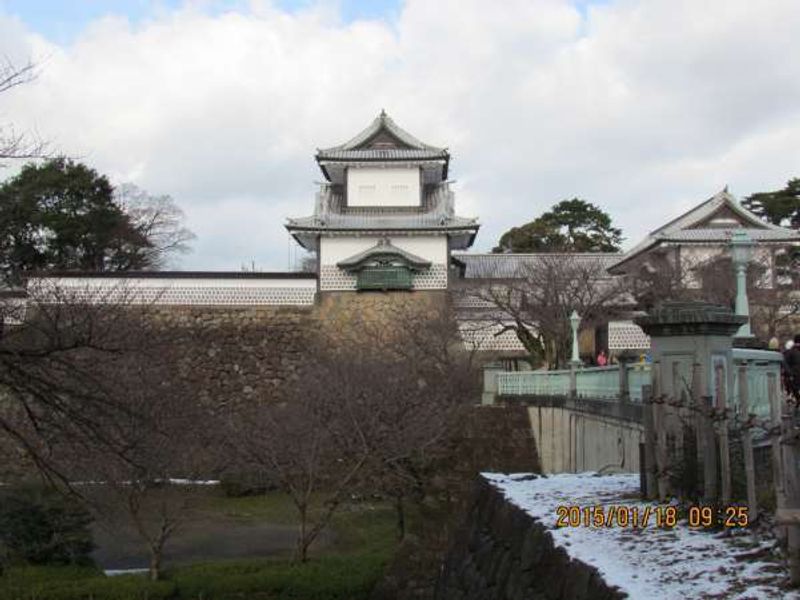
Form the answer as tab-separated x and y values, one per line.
238	485
41	526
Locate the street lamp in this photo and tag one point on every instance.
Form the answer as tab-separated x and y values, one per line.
741	253
575	320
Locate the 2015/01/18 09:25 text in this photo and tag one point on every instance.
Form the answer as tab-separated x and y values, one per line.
660	516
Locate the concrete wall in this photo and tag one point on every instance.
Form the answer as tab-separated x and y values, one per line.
585	435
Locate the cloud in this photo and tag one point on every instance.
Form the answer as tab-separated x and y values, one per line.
644	108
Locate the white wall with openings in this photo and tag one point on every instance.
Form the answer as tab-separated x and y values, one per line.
377	186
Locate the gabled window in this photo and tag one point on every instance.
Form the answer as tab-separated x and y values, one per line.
385	277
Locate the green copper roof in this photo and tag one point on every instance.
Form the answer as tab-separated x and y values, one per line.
384	250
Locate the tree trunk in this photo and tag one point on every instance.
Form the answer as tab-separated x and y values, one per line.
302	543
401	517
155	563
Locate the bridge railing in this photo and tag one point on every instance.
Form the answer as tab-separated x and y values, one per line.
598	382
590	382
762	365
533	383
603	383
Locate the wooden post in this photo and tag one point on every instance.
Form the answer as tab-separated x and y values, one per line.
624	389
675	426
697	409
709	452
660	427
747	443
790	514
777	459
650	491
724	447
573	379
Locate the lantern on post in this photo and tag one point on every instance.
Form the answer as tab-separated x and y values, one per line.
741	253
575	320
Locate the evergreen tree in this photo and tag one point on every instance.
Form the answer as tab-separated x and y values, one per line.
570	226
781	207
64	215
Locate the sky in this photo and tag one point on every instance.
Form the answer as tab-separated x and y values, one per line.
644	108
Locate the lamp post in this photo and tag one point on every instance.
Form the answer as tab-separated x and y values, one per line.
575	320
741	252
575	362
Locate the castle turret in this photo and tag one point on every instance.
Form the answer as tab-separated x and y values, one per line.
384	218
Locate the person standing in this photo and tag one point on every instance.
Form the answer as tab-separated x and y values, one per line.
791	361
602	359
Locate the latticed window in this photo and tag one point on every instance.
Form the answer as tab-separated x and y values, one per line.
392	277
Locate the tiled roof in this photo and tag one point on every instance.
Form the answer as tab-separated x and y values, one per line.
627	335
383	248
511	266
377	222
724	235
688	228
383	123
170	275
381	154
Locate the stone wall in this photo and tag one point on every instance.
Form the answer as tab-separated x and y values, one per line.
367	317
492	438
500	552
238	353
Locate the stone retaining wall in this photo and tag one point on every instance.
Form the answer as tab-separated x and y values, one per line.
238	353
502	553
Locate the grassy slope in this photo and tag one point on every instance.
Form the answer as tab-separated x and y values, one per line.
347	569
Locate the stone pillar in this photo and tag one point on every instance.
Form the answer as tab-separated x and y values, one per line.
689	338
685	333
624	391
490	372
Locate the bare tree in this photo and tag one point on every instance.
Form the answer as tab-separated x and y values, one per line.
536	301
13	144
773	289
158	446
158	220
366	416
92	393
50	364
295	443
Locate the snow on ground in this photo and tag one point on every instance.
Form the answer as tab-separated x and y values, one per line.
659	563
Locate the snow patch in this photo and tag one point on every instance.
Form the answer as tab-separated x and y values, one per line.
671	564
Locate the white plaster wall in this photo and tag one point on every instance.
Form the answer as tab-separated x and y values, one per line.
429	247
206	291
111	282
371	186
